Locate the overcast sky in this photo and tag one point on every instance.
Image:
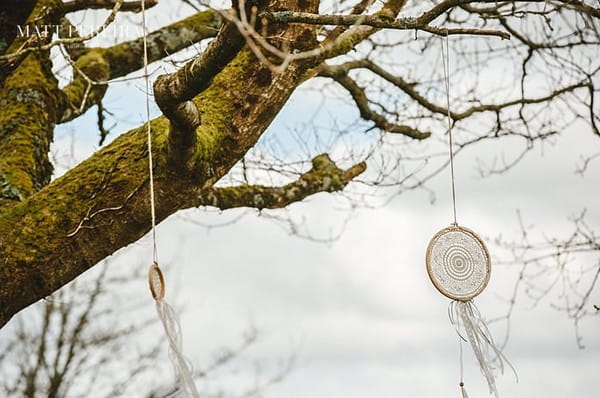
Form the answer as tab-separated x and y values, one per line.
360	315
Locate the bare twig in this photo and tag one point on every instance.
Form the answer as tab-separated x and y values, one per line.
78	5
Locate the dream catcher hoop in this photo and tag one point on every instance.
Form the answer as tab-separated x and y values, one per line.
458	263
459	266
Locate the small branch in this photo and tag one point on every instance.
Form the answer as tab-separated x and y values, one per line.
446	5
376	21
356	34
358	9
360	98
324	176
309	51
465	31
104	132
68	30
83	91
92	214
78	5
409	89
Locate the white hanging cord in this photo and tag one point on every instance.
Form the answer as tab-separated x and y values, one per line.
455	315
149	134
156	279
455	320
461	382
446	67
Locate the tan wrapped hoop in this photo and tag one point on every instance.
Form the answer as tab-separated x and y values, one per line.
458	263
156	281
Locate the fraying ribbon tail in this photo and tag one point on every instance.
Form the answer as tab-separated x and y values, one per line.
463	391
170	323
466	318
181	365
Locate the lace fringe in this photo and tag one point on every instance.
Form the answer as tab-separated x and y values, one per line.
470	327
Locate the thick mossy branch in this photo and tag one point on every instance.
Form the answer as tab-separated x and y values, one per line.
197	74
29	99
173	93
324	176
127	57
101	64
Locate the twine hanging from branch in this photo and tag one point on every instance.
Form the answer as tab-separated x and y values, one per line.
459	266
156	280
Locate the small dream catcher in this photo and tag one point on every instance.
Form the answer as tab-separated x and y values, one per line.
156	281
459	266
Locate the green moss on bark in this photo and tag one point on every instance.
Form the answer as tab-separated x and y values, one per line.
28	103
95	67
127	56
102	204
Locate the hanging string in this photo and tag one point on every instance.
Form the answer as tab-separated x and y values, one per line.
149	134
446	67
461	382
463	314
156	280
455	320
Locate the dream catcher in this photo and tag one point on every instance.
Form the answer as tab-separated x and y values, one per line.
156	281
459	266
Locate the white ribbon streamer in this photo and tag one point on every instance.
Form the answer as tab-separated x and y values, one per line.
180	364
465	316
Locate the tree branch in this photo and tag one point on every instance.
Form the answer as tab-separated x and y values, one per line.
98	65
376	21
446	5
324	176
351	37
78	5
173	92
27	98
358	9
409	89
360	98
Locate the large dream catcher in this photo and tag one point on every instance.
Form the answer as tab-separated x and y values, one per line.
459	266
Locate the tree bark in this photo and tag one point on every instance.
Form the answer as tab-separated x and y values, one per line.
51	235
13	13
